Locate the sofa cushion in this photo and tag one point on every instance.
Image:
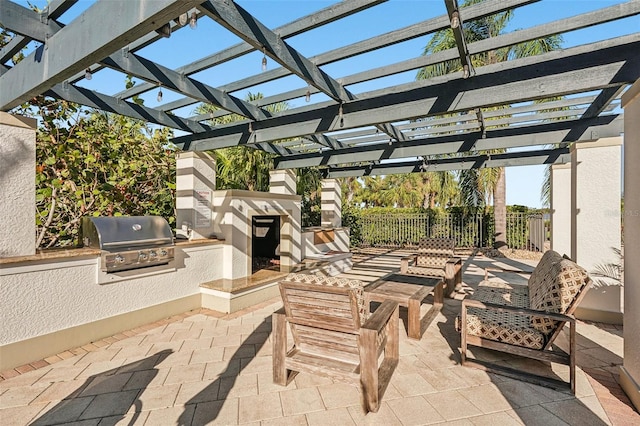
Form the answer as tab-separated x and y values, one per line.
505	327
553	287
427	272
319	279
502	294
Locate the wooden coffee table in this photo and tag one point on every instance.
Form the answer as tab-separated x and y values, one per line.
409	291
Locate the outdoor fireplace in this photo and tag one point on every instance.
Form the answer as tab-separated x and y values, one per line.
265	243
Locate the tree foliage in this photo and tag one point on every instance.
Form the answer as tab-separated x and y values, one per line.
241	167
90	163
479	186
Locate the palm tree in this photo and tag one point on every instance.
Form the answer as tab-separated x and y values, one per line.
371	193
242	167
401	191
480	29
350	186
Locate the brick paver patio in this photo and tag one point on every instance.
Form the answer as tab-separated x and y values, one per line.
206	368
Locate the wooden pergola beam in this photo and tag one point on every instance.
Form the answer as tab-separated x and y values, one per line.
509	159
299	26
503	138
61	56
575	70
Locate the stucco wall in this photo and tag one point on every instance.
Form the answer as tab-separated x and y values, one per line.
17	185
631	105
561	208
339	243
39	298
596	177
195	184
232	213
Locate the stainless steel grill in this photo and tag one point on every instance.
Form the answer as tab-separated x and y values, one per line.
129	242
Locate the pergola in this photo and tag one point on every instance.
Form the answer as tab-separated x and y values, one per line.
448	122
442	123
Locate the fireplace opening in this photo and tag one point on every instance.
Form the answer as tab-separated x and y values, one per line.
265	243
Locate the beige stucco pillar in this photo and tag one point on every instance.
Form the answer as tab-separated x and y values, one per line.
17	185
331	204
195	184
561	208
630	370
596	231
282	182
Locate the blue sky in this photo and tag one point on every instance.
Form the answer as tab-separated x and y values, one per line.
186	45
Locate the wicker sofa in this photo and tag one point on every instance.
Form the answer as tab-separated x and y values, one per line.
525	320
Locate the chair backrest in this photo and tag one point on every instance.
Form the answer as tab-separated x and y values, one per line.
556	285
435	252
325	314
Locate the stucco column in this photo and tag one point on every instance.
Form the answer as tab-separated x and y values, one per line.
561	208
630	370
195	183
331	204
282	182
18	185
596	231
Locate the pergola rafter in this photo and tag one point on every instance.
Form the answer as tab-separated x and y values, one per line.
571	24
458	34
414	31
344	131
503	138
296	27
526	158
606	64
40	71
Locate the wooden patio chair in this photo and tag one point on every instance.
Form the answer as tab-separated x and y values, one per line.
436	258
332	335
526	319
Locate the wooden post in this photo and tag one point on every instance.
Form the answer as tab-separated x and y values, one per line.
369	369
279	336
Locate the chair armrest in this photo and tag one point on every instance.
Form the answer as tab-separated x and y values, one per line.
496	269
404	262
455	260
381	316
471	303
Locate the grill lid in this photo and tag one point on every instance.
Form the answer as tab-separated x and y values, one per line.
125	232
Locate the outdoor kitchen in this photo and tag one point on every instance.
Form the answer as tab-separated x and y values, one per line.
130	271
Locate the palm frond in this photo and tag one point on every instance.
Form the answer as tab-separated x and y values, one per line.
609	274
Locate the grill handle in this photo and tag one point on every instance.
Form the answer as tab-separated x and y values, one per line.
137	242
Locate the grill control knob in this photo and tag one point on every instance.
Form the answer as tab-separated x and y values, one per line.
119	258
153	254
163	252
142	256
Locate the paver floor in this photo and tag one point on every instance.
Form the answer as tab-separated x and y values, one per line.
206	368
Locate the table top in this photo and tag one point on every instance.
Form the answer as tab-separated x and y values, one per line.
400	287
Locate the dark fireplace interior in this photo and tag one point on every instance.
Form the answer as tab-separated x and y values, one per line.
265	241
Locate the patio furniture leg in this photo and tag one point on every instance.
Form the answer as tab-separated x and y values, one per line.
392	349
279	336
463	335
369	370
438	295
453	276
572	356
413	315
